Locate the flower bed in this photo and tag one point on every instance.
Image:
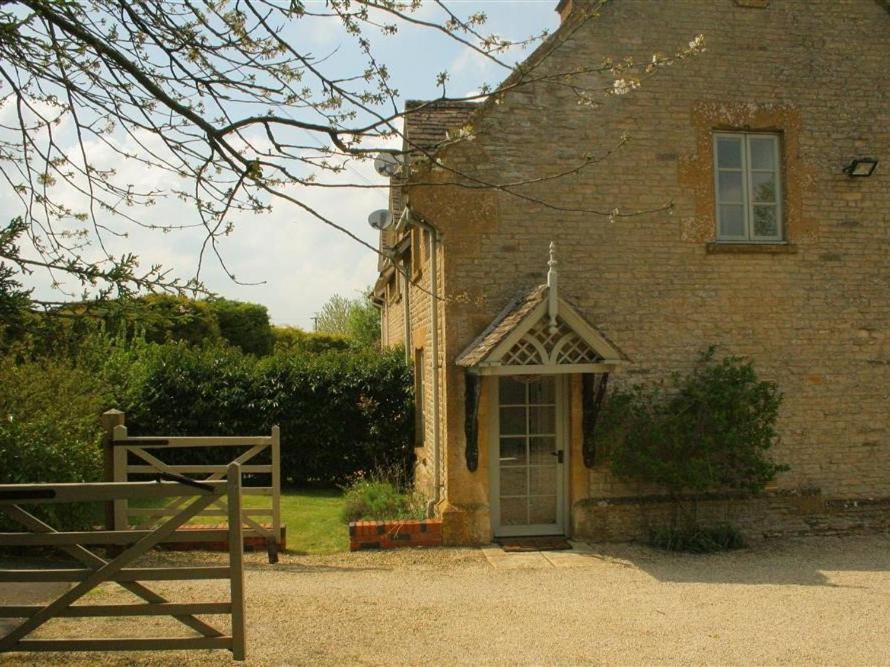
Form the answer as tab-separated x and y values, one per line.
394	534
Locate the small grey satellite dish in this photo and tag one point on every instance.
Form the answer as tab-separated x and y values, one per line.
380	219
387	164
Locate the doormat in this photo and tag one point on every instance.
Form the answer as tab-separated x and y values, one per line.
519	544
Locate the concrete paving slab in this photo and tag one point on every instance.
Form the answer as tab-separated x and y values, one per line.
569	558
580	555
519	561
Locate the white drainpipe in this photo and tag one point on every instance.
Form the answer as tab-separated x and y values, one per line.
407	312
435	241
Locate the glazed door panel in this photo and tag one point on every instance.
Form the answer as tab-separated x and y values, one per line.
528	483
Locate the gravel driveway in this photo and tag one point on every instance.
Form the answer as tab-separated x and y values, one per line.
803	601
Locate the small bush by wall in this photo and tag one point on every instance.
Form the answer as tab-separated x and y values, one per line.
382	495
695	539
710	430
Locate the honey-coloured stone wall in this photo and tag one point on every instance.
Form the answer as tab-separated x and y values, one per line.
812	313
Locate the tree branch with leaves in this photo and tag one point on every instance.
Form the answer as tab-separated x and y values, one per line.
221	98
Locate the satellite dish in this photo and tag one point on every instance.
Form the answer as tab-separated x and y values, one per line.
380	219
387	164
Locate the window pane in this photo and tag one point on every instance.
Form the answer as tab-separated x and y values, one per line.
732	221
542	420
729	153
765	221
540	451
514	511
730	183
514	481
512	392
542	509
513	421
542	480
542	391
513	451
763	154
763	187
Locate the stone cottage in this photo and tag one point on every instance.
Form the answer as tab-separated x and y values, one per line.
751	215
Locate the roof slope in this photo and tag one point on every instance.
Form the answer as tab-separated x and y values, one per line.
427	123
507	320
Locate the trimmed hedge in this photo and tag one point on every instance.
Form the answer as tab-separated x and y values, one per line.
244	325
340	413
291	340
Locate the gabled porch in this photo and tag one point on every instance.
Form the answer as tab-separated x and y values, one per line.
526	379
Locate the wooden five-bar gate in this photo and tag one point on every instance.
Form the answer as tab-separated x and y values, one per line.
140	456
192	498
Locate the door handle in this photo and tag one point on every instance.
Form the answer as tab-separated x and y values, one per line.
559	456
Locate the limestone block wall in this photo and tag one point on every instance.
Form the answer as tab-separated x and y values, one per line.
814	315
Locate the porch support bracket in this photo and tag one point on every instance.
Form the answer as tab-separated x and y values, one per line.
472	389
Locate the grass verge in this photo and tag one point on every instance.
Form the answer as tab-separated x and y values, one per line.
313	518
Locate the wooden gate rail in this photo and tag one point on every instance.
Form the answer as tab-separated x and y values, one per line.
123	445
98	570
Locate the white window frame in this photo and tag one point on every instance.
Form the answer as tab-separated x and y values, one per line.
747	201
494	470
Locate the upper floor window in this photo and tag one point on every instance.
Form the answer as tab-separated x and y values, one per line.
747	168
419	252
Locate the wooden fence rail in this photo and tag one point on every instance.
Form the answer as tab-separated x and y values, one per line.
264	522
98	570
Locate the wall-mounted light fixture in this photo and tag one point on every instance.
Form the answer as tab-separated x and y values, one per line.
861	167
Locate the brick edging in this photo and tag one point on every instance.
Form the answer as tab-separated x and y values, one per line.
394	533
251	542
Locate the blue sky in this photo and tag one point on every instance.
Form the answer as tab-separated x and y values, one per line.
299	261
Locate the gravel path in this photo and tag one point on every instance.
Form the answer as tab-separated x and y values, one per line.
803	601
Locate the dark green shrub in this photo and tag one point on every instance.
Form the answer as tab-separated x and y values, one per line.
339	413
696	539
244	325
710	430
49	431
291	340
158	318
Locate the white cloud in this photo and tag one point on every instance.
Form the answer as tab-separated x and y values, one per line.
300	260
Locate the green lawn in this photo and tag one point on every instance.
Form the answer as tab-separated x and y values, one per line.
313	520
312	517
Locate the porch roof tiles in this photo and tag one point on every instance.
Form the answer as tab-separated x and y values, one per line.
515	311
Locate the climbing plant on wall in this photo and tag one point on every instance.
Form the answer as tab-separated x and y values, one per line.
709	430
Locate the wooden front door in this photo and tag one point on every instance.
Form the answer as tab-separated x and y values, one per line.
528	481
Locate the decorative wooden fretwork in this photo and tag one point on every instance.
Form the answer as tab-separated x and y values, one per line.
541	334
541	345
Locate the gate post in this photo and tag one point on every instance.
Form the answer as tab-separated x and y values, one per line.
109	419
276	485
119	458
236	561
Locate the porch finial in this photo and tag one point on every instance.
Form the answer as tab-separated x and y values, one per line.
552	295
